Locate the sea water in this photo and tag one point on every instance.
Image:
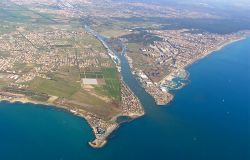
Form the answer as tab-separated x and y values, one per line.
208	119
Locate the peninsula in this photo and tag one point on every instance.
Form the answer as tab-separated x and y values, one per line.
52	60
65	53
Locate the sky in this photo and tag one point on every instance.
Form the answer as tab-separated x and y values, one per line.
247	2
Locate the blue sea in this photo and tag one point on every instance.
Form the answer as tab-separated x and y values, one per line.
209	119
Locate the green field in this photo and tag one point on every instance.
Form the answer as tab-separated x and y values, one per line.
92	42
95	105
62	81
112	87
133	52
20	14
56	87
23	67
30	93
91	75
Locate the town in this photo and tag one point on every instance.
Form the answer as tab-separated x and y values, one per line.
67	67
60	53
163	60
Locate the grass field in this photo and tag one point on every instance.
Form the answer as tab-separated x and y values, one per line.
64	81
3	83
70	74
139	61
91	75
114	33
112	80
92	42
57	86
23	67
30	93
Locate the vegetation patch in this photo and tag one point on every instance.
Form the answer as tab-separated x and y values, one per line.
57	87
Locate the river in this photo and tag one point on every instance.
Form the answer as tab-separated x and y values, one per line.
208	119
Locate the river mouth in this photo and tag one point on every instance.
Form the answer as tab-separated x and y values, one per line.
208	119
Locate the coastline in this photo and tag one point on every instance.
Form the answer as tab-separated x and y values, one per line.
204	55
130	107
126	107
109	126
216	49
95	123
169	77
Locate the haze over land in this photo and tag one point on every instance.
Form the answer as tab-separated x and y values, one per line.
68	53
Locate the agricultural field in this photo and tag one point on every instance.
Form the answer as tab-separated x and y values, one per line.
111	86
45	55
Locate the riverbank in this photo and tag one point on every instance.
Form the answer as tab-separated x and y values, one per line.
131	107
161	95
186	123
102	125
130	104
